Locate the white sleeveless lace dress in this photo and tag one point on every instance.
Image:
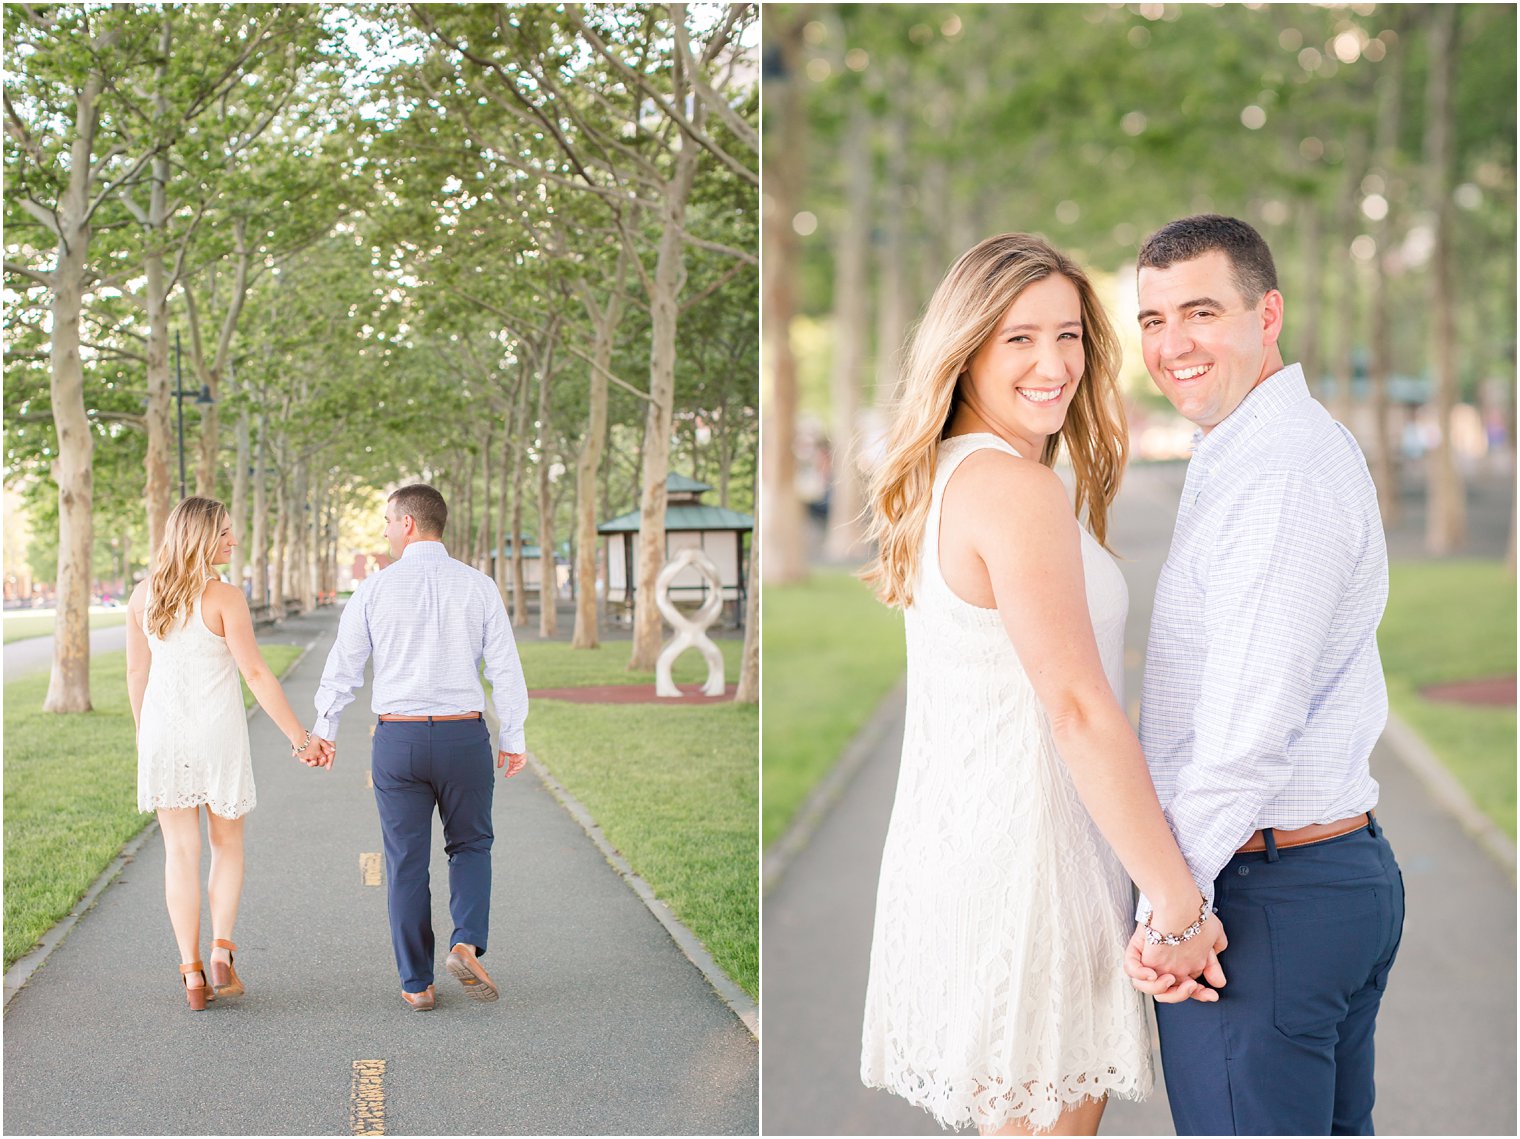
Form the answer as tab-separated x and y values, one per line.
192	746
997	989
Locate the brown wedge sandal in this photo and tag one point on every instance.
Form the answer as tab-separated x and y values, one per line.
224	978
195	995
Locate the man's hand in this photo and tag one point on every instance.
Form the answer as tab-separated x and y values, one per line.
1171	987
319	753
513	760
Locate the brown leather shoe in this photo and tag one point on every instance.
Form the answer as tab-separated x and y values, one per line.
420	1002
224	979
463	964
195	995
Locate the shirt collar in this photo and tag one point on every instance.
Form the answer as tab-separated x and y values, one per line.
427	548
1265	402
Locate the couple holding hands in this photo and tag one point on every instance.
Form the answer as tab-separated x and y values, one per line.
1001	992
428	621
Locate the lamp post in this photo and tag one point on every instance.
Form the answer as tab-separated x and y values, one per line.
203	398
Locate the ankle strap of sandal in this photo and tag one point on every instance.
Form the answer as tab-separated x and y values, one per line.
223	943
193	967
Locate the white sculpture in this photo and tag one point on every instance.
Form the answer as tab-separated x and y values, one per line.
691	631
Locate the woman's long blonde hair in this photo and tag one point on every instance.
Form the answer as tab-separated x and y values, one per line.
191	541
962	314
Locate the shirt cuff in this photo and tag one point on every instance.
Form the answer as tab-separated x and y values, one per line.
326	729
514	743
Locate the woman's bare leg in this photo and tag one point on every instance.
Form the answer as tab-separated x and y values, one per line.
1078	1119
226	882
181	828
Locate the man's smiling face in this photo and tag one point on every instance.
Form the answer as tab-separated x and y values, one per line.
1204	344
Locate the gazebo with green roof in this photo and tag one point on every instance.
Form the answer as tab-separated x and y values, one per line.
715	530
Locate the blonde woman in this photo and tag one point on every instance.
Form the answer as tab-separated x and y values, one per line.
997	995
188	636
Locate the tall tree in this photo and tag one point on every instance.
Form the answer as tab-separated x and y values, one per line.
1446	519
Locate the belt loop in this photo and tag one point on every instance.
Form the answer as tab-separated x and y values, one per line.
1271	841
1373	827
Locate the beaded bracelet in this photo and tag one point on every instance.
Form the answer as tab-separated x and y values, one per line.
306	743
1153	937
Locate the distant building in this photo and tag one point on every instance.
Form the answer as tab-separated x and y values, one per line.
717	531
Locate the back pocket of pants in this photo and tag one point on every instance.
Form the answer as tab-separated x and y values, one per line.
1323	951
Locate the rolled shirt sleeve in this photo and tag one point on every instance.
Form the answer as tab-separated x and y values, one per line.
503	669
344	671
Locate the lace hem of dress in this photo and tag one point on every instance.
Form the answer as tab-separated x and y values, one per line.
219	807
1036	1103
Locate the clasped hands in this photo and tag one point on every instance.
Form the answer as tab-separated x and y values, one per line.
317	752
1171	973
320	753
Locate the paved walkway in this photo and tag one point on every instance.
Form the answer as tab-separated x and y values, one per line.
1446	1036
603	1026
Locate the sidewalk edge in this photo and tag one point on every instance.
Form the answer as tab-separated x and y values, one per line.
1448	792
779	857
29	962
738	1001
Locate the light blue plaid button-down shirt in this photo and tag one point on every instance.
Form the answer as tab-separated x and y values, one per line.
1264	693
429	621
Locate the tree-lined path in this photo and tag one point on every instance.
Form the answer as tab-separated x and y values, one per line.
603	1026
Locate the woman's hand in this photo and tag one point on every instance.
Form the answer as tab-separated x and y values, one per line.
1172	980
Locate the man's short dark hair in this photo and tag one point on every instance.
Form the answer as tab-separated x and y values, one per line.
1187	239
425	505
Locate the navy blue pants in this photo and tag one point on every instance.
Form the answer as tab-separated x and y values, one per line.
415	767
1287	1048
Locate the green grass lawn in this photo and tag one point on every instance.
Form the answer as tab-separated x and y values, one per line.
553	664
71	793
1450	621
24	626
830	651
674	789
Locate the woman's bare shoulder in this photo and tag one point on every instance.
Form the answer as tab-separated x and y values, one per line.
995	482
222	595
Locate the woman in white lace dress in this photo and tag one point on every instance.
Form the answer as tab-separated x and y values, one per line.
188	635
997	996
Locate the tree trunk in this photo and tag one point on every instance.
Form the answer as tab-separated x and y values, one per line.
483	532
1348	280
499	564
260	538
163	489
239	507
1385	457
465	524
588	461
669	279
281	511
1307	336
73	471
1446	512
781	519
748	691
847	496
894	309
548	585
221	364
519	578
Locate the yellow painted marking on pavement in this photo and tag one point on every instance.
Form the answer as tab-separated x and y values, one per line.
369	779
369	869
1134	711
1131	658
366	1098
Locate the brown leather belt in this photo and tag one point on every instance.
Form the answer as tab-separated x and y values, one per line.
1303	836
392	716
